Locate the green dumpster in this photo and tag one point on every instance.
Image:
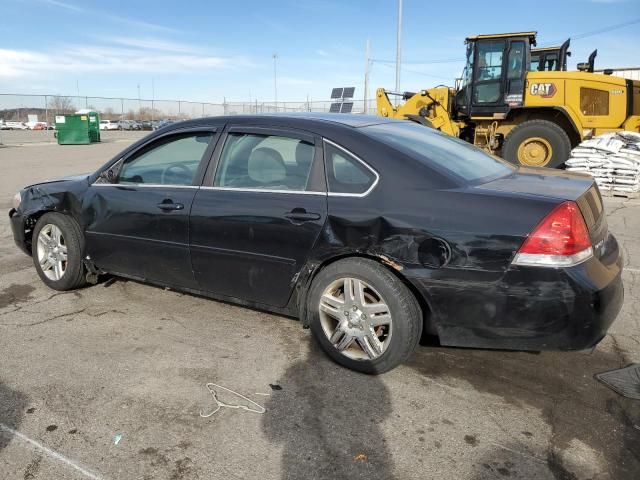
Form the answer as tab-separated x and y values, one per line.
78	129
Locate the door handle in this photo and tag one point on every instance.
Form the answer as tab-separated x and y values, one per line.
168	206
302	216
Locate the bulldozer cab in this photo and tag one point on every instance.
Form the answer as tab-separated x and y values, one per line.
494	77
550	59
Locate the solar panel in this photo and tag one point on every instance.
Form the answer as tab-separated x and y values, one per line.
348	92
336	93
335	107
346	107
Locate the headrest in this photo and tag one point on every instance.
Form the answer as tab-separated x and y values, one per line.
266	166
304	154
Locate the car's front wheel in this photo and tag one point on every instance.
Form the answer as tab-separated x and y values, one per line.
57	248
363	316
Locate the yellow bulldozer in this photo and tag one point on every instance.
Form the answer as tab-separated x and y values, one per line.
528	113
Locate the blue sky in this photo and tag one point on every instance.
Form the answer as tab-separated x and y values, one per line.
209	50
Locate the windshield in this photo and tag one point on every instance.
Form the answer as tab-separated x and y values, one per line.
440	151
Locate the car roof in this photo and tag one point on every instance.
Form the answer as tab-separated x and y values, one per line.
297	119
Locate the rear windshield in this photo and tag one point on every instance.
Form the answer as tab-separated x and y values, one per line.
440	151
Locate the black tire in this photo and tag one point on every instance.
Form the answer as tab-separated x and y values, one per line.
549	131
404	308
74	274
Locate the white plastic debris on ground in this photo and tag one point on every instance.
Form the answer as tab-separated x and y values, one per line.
613	159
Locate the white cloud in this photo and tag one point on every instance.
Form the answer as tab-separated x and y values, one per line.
137	23
108	16
64	5
107	59
322	53
149	43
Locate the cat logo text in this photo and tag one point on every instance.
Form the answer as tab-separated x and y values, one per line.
544	90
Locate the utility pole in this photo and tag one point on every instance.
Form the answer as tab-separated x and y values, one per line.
366	77
77	87
275	79
399	46
153	97
139	104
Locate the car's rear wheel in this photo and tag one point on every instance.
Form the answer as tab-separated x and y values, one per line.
57	252
363	316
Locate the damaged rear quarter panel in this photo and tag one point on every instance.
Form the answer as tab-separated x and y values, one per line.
453	245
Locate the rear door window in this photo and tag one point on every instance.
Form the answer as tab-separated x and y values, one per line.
265	162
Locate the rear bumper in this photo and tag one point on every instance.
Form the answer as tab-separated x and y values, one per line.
17	227
529	308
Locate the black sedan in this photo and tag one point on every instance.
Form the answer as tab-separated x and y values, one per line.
372	231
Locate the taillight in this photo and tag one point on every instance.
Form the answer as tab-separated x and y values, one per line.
560	240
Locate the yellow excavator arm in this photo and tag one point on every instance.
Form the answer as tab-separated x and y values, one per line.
430	107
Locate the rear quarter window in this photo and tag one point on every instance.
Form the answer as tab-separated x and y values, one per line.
345	173
440	151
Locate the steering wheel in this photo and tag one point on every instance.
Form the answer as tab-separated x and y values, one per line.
175	167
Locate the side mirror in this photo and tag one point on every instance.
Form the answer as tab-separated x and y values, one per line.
110	175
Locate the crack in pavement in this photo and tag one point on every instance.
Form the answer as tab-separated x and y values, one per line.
31	303
622	206
105	312
40	322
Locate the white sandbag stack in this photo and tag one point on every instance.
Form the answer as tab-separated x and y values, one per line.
613	159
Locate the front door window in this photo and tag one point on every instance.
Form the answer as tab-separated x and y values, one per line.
171	161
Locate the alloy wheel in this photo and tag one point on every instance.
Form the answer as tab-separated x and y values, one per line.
52	252
355	319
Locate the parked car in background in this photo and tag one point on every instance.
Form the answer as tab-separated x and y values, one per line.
370	230
146	125
162	123
129	125
108	125
3	126
16	126
36	125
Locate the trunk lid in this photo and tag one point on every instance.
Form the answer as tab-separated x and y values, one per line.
561	185
542	183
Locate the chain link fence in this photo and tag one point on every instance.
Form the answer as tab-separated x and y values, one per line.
18	108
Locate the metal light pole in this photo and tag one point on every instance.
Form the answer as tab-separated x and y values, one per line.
275	79
399	46
366	78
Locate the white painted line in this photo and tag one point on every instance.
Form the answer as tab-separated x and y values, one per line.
50	452
634	270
